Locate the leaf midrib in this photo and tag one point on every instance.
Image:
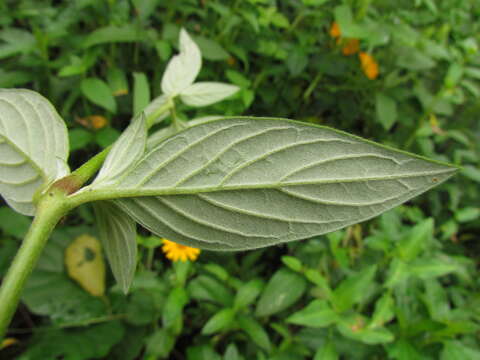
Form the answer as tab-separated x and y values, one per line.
108	193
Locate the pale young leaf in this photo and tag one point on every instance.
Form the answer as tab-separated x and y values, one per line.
183	68
207	93
127	150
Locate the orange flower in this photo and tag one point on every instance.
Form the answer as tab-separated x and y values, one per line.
93	121
369	65
335	30
175	252
351	47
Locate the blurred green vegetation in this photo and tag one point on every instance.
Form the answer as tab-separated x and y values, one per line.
403	286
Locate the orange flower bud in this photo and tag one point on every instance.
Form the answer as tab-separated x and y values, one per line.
335	30
369	65
351	47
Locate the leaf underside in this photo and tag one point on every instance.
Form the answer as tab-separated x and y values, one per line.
244	183
118	236
33	146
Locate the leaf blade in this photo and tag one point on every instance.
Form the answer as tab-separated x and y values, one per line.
33	146
117	232
213	185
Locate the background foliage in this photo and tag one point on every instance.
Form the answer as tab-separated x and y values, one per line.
402	286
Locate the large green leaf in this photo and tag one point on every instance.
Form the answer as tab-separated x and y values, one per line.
243	183
33	147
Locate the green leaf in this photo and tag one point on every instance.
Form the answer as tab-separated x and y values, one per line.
159	344
14	224
222	320
106	137
50	292
232	353
384	311
386	110
326	352
79	138
173	310
353	328
404	350
211	50
114	34
467	214
432	268
256	332
141	92
455	350
202	352
117	81
98	92
316	314
141	308
85	343
210	289
243	183
283	290
248	292
293	263
412	244
296	62
126	151
118	236
353	289
33	147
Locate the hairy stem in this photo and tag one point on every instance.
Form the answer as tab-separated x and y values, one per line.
50	210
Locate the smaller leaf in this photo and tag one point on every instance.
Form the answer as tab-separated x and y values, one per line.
283	290
173	309
117	81
326	352
256	332
248	292
118	235
210	49
158	109
183	68
384	311
84	263
455	350
141	92
353	289
386	110
412	244
126	151
218	322
316	314
98	92
207	93
113	34
293	263
159	344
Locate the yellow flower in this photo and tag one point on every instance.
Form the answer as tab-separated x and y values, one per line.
175	252
369	65
335	30
351	47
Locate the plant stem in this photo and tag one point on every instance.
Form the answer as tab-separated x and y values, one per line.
51	209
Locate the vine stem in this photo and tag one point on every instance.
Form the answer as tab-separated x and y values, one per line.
50	210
